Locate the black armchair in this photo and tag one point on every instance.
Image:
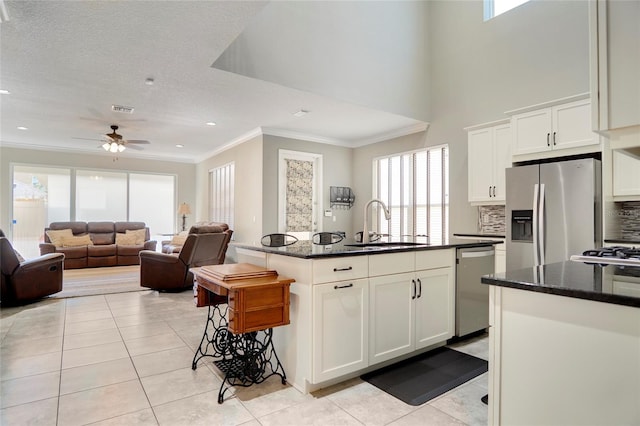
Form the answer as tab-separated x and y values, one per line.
28	280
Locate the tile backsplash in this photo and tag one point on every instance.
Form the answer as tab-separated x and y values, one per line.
624	221
491	219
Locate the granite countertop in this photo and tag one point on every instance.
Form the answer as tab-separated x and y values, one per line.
479	235
609	284
308	250
622	241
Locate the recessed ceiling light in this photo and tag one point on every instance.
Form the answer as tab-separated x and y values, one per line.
149	81
4	92
210	123
179	145
22	128
300	113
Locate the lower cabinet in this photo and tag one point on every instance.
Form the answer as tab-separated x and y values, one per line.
340	328
409	311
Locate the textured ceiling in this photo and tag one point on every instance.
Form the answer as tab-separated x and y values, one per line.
65	63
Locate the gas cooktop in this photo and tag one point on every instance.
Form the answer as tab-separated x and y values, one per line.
621	256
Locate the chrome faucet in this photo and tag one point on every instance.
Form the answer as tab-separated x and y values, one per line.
365	231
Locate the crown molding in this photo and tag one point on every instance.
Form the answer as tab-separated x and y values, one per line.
234	142
404	131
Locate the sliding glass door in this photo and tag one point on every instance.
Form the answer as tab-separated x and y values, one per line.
42	195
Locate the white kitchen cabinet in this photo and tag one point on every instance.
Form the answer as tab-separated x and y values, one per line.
556	127
330	334
489	154
340	328
392	316
614	63
435	307
412	310
626	175
551	343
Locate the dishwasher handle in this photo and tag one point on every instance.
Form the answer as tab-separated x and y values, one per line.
483	253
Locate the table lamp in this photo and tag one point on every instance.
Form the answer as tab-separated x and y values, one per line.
184	210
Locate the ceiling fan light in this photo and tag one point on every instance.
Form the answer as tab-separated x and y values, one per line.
114	147
106	146
121	147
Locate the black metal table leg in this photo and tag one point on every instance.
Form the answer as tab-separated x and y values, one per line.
215	337
250	359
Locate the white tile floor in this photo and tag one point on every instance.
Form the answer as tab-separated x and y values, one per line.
124	359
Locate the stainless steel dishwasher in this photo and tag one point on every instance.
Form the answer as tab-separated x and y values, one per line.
472	297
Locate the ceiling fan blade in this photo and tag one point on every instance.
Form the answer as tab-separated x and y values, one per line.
87	139
138	141
136	147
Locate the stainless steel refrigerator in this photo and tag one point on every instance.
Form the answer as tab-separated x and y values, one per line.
553	210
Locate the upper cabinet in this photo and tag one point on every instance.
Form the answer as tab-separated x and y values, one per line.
558	125
626	176
614	33
489	153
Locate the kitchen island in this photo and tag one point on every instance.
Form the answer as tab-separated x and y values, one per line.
355	308
564	345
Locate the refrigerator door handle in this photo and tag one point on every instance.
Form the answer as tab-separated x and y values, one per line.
536	253
541	245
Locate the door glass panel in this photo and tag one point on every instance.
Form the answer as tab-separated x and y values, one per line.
151	200
101	196
40	196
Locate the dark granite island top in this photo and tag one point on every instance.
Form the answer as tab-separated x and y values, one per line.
308	250
609	284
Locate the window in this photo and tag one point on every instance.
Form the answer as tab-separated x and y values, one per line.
42	195
415	187
101	196
493	8
221	202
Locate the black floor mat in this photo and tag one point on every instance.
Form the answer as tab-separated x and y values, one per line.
418	379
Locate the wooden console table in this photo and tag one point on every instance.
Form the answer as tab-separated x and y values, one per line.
245	302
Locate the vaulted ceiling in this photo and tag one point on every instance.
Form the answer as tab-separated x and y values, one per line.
358	68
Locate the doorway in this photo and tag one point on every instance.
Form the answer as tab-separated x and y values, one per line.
299	189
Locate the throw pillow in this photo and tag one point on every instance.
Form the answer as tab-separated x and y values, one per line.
76	241
140	235
125	239
178	240
57	236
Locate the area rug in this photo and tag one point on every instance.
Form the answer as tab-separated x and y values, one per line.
93	281
421	378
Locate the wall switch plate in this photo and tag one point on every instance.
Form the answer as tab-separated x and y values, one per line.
328	213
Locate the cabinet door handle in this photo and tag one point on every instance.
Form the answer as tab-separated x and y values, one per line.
348	268
548	139
413	289
338	287
554	138
489	191
419	288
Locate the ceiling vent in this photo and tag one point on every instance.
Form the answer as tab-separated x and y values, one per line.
121	108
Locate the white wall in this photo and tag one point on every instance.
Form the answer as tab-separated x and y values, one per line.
371	53
534	53
247	158
337	163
